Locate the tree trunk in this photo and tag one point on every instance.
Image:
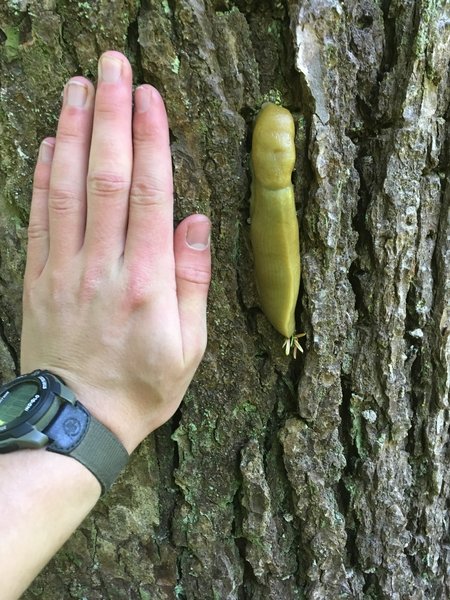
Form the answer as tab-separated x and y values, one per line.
323	477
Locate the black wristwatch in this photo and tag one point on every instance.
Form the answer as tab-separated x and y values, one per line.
38	410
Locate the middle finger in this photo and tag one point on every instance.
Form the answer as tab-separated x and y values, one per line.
110	161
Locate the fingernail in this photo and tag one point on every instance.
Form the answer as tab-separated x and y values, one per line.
198	235
143	98
77	94
110	69
46	152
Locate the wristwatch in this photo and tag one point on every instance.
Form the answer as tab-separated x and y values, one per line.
38	410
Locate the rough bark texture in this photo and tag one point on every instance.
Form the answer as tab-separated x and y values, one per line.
320	478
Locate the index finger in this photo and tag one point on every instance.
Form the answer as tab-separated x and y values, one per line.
149	242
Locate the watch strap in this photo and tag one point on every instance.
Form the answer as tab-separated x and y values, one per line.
75	432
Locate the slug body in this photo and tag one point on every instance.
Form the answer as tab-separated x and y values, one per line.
274	225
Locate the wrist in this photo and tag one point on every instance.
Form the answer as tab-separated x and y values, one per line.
39	410
120	424
128	419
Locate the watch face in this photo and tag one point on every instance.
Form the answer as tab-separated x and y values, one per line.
18	400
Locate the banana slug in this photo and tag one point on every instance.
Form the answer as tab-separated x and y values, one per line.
273	220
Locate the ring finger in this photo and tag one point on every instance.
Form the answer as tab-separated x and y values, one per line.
67	192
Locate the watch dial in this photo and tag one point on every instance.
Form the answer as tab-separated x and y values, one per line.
16	400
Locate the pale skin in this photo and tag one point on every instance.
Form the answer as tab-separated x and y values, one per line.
114	299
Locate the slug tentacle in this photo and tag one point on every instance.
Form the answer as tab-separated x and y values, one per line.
274	226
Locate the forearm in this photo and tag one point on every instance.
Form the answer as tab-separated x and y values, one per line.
45	496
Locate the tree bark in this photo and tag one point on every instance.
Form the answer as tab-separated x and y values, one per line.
322	477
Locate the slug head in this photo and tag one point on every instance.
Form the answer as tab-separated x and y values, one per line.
273	148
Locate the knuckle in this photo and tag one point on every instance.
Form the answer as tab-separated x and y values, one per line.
63	201
148	133
72	126
57	280
194	274
145	191
110	107
36	231
137	290
90	283
57	292
142	289
41	179
40	184
68	133
103	183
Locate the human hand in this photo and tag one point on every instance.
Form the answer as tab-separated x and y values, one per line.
114	300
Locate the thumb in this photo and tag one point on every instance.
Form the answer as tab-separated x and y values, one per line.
193	275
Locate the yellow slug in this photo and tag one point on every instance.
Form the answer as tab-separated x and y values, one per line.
274	226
